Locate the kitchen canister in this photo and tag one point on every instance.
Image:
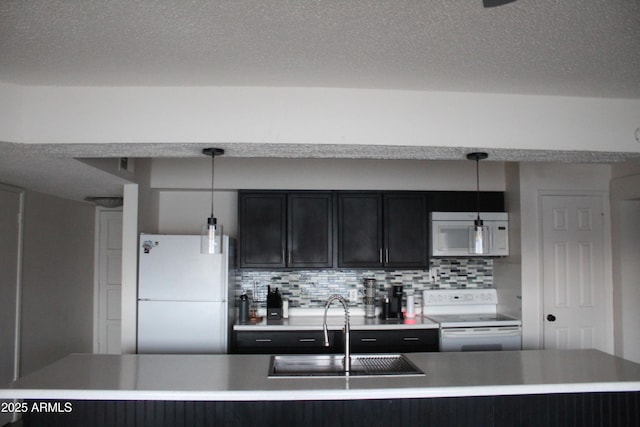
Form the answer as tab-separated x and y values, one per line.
243	309
411	308
370	298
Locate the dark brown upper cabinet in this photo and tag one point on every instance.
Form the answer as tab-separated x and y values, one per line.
406	228
309	229
360	234
357	229
387	229
285	229
466	201
262	229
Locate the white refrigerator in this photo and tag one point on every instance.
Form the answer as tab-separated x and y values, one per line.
185	300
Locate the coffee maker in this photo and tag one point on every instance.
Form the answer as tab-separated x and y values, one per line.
392	304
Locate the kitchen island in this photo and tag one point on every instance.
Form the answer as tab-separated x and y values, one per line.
573	387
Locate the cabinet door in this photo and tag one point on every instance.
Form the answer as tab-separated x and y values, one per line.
406	242
359	230
286	342
262	229
395	341
309	225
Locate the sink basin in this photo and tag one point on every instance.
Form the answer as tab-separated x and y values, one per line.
331	365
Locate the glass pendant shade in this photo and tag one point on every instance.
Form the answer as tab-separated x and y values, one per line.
478	238
211	238
211	235
478	233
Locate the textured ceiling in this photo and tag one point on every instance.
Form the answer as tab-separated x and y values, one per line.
545	47
559	47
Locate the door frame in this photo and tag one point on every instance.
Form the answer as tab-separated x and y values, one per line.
18	285
18	302
607	262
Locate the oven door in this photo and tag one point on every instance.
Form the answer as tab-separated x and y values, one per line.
481	338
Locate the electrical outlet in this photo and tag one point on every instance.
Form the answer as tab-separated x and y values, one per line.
434	274
353	295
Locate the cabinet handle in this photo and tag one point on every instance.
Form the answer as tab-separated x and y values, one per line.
380	256
306	340
368	340
263	339
410	339
386	256
289	256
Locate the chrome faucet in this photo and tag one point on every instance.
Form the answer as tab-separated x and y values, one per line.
347	330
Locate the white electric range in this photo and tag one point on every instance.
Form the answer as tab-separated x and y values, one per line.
469	320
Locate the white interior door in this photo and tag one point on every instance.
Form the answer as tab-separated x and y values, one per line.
10	219
109	278
573	264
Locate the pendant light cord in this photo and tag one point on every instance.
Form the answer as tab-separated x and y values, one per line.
213	157
478	187
213	152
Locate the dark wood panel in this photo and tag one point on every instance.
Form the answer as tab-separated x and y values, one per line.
360	229
406	225
550	410
395	341
309	240
286	342
466	201
262	230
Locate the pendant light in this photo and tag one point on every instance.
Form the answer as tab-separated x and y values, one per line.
478	233
211	236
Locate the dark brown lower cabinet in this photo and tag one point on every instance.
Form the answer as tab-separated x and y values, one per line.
309	342
286	342
395	341
548	410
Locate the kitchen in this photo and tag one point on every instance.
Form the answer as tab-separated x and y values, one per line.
177	199
398	127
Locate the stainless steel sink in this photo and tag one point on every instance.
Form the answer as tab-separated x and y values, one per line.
331	365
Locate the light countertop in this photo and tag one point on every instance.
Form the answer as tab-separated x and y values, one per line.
244	377
311	319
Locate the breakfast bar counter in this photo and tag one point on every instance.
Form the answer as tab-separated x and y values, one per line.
238	379
244	377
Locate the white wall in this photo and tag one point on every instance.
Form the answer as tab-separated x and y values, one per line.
129	295
184	196
57	285
625	207
11	112
553	178
322	116
507	272
11	207
629	279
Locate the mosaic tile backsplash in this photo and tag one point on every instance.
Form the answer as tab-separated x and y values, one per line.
311	288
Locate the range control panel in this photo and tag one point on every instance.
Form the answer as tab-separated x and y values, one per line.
459	296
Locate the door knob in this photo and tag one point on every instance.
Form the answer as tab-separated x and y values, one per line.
551	318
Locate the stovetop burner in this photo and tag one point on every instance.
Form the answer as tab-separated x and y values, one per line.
474	320
465	308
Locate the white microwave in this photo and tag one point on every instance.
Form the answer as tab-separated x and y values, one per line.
450	233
